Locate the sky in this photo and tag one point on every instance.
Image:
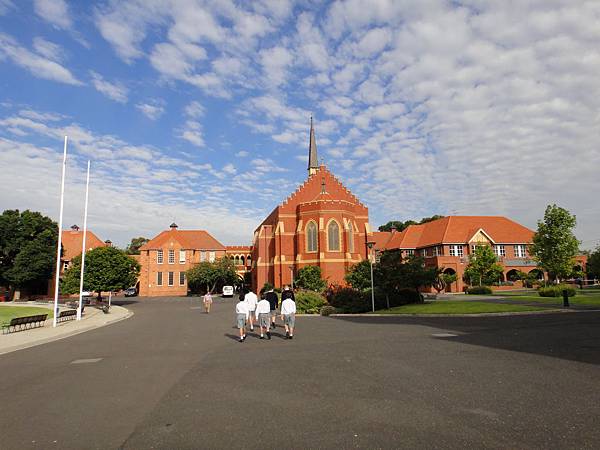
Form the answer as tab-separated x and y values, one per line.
198	112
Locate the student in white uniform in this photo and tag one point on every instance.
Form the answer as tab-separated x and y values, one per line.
251	300
241	311
262	314
288	315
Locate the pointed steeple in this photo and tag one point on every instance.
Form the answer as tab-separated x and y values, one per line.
313	163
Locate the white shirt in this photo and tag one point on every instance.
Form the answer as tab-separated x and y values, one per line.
263	307
251	299
288	306
242	308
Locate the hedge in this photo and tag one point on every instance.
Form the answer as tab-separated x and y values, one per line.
557	291
479	290
309	302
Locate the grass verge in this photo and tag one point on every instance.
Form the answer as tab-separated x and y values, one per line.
459	307
9	312
585	297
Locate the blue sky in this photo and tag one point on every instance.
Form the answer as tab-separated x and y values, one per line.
198	111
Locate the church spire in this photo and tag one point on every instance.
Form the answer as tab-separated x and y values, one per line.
313	163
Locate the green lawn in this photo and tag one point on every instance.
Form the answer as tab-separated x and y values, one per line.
9	312
585	297
459	307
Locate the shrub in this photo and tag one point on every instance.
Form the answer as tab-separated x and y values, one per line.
557	291
479	290
309	302
309	278
348	300
327	310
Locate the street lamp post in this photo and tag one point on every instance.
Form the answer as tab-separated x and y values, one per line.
370	245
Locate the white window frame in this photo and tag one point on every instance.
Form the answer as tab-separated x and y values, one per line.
181	256
170	278
212	256
456	250
181	278
202	256
410	252
520	251
500	250
171	257
159	279
159	257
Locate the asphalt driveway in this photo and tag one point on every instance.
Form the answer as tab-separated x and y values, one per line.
173	377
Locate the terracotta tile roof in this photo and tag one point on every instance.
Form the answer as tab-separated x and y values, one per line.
381	238
188	239
73	240
460	229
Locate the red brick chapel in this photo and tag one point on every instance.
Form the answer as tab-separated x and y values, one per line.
320	224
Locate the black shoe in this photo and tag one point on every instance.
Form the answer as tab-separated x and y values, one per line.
291	337
241	339
262	337
287	334
268	335
273	325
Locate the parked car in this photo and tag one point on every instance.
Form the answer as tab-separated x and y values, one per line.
227	291
131	292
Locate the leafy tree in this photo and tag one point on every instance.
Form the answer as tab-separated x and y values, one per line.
483	266
106	269
134	246
27	248
309	278
448	278
401	226
210	274
554	244
395	272
359	275
593	264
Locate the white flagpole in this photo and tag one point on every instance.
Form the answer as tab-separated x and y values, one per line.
85	214
60	221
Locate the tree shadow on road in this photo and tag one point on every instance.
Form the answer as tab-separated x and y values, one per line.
570	336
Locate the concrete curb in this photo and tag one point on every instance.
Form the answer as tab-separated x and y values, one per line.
498	314
126	314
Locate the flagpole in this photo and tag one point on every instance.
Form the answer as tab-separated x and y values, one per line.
60	222
85	214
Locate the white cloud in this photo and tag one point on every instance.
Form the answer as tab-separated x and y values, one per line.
152	110
242	154
194	110
55	12
192	132
6	6
48	49
229	169
38	66
115	91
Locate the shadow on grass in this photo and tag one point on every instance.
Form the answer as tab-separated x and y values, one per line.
574	337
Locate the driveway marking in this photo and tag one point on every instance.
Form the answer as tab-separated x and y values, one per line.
86	361
444	335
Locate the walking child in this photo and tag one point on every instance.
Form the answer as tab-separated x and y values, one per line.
288	312
262	315
273	300
251	300
207	299
241	311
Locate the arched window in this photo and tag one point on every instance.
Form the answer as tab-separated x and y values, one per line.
333	237
350	232
312	240
236	260
242	261
248	260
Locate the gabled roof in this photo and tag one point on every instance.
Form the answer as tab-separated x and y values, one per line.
460	230
188	239
73	240
381	238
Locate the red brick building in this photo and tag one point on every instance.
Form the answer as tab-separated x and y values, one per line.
241	255
448	242
321	224
166	258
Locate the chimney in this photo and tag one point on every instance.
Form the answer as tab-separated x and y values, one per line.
173	226
74	228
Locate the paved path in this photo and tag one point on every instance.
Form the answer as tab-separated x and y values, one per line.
92	318
172	377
